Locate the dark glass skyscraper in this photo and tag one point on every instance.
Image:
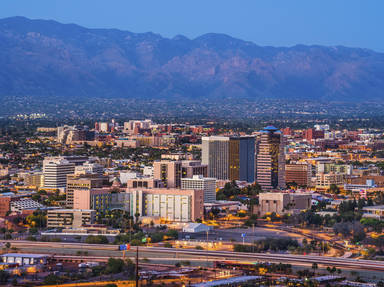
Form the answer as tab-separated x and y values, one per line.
270	159
230	158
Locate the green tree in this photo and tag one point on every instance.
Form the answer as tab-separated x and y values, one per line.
96	239
52	279
114	266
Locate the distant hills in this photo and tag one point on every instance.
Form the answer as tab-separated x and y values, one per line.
40	58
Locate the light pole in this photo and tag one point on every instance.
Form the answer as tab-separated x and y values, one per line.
137	266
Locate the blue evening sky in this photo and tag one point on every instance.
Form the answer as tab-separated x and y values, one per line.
354	23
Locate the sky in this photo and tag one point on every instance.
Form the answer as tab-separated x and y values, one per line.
353	23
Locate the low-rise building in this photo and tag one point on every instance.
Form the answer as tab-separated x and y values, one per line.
25	259
196	227
70	218
325	180
376	211
34	180
281	203
169	204
25	204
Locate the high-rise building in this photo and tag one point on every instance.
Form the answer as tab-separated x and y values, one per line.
81	182
97	199
169	172
270	158
229	158
207	184
189	168
300	173
55	171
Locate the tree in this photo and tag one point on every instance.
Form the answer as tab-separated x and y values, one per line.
331	270
96	239
52	279
157	237
136	242
334	189
37	219
314	267
172	233
114	266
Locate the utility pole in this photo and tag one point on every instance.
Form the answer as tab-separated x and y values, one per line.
137	266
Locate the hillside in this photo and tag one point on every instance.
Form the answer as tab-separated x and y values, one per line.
40	58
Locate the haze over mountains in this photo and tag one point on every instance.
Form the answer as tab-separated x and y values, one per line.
40	58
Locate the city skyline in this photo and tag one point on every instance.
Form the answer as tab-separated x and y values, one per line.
191	143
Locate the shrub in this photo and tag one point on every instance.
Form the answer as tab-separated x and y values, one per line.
96	239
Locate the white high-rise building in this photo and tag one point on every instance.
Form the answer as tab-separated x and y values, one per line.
55	170
207	184
215	154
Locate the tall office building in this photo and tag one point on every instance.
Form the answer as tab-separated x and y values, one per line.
207	184
81	182
270	158
55	170
97	199
169	172
229	158
299	173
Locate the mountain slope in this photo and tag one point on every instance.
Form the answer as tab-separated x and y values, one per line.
41	58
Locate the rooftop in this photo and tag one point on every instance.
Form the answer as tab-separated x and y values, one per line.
374	207
25	255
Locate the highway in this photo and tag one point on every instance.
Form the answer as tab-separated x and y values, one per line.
57	248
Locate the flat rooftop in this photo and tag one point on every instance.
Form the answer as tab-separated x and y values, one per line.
25	255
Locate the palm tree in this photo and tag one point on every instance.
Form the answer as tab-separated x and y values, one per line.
314	267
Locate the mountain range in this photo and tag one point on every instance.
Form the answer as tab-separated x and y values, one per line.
42	58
